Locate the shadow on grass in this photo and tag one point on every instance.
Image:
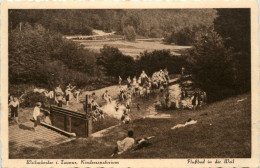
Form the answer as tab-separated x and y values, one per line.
25	127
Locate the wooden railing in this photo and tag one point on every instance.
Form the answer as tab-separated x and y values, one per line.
71	121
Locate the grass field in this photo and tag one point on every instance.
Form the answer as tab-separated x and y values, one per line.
223	131
132	48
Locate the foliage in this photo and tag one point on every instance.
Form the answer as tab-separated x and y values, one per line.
43	59
184	36
148	23
115	63
129	33
212	65
31	98
159	59
234	26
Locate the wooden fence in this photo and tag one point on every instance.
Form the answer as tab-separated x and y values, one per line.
71	121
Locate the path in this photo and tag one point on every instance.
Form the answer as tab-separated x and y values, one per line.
21	137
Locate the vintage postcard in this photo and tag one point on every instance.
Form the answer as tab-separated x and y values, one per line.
129	84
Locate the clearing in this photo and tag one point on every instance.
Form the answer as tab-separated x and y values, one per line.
133	48
100	38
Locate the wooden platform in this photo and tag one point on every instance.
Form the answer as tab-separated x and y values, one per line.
22	136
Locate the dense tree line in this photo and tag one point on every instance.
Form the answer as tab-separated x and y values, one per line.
147	23
116	64
220	57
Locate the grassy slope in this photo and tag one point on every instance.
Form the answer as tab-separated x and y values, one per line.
228	136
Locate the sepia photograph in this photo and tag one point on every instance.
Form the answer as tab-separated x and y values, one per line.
151	83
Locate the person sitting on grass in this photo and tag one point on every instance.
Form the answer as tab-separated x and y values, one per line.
37	115
142	143
124	145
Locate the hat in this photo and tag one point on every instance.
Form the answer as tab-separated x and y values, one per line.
38	104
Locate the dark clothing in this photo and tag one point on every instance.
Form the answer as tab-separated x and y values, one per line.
67	97
60	103
94	107
196	97
14	111
123	117
38	121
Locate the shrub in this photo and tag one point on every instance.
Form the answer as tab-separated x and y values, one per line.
129	33
31	98
115	63
159	59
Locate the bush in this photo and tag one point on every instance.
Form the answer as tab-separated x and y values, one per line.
40	58
115	63
184	36
159	59
31	98
129	33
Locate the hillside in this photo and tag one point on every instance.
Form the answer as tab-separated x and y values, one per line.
217	134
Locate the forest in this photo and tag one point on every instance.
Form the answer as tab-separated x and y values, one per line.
147	23
219	61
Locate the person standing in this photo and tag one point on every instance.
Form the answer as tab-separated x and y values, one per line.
119	81
37	115
129	81
128	106
59	95
144	77
182	70
14	105
67	93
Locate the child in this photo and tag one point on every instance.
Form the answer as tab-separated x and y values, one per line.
37	115
128	82
119	81
124	145
128	106
94	105
101	113
68	93
138	106
14	105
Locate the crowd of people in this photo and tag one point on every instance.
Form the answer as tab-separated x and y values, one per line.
141	87
70	93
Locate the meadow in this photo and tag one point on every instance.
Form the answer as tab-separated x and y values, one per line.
133	48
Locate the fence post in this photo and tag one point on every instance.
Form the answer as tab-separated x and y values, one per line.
87	116
69	124
51	115
89	126
65	122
